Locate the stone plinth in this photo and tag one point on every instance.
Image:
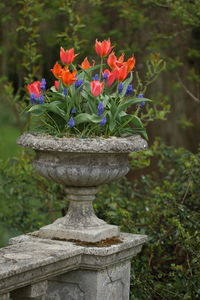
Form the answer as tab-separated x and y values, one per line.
34	268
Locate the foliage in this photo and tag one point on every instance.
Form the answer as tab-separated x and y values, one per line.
162	204
27	201
29	35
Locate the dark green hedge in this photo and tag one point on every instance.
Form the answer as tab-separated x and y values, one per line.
163	204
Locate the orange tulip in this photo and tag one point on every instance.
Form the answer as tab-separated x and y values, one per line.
120	60
96	87
121	73
103	48
112	60
67	56
68	78
130	64
86	65
57	70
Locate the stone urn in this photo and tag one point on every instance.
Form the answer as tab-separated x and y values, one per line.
81	165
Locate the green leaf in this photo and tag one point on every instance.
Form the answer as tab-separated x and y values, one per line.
54	107
137	122
84	117
125	85
37	110
130	102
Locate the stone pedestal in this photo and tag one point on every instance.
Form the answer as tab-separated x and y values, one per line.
42	269
80	222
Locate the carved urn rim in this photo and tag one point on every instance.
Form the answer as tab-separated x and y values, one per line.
113	144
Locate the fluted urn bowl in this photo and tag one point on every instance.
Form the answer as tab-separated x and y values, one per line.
81	164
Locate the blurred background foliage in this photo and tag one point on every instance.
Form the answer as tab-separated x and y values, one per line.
160	197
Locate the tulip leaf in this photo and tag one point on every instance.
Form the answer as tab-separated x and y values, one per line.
130	102
54	107
39	109
84	118
125	85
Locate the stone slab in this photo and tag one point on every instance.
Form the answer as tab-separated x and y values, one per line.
88	234
30	259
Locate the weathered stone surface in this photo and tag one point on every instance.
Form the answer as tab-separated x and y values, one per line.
35	291
111	283
80	223
30	260
89	145
81	165
81	169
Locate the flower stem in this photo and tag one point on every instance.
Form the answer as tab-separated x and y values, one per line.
101	66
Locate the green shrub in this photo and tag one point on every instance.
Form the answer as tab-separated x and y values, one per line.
27	201
164	204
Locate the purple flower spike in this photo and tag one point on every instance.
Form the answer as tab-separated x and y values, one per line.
120	88
96	77
103	121
140	95
43	84
32	99
73	111
129	90
142	104
105	75
71	122
65	91
78	83
100	109
41	99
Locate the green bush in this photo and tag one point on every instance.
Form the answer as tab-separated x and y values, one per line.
27	201
164	204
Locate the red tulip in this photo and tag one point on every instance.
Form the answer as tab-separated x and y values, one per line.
103	48
34	88
57	70
68	78
86	65
96	87
67	56
121	73
56	84
111	76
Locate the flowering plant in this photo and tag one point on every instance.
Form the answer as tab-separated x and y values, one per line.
89	99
